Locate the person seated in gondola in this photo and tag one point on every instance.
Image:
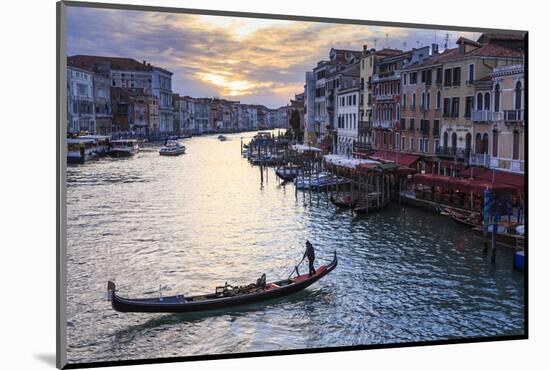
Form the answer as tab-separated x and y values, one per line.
310	254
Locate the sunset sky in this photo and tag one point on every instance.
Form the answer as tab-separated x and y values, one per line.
252	60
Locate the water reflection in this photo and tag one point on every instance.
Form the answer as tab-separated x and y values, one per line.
193	222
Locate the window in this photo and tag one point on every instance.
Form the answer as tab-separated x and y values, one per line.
411	124
423	77
404	101
469	105
470	73
455	108
447	107
479	101
423	100
429	77
404	79
495	143
413	77
456	76
402	124
517	93
515	151
447	80
414	100
487	101
497	98
428	101
438	75
412	144
438	100
436	128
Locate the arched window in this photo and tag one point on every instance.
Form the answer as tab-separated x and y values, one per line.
438	100
414	100
515	150
478	144
497	98
445	140
495	143
428	101
485	144
423	100
487	101
479	101
453	141
398	112
468	142
517	94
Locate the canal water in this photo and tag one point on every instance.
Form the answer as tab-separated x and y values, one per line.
190	223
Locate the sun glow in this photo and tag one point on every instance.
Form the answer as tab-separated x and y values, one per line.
230	87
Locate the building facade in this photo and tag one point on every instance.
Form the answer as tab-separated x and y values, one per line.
80	100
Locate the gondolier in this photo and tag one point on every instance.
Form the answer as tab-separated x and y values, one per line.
310	254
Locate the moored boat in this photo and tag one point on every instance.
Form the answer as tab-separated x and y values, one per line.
504	237
172	148
222	138
471	219
318	181
123	148
288	173
224	297
81	150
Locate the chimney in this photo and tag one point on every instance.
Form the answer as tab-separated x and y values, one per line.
143	62
435	49
365	49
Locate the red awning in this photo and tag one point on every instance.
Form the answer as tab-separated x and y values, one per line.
431	179
499	177
366	167
479	186
402	159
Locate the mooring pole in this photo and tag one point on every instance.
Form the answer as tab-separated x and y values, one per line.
487	195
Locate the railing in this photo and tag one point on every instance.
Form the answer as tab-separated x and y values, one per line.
513	115
453	152
512	165
482	116
477	159
383	124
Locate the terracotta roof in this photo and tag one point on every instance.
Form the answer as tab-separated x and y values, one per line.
493	50
116	63
466	41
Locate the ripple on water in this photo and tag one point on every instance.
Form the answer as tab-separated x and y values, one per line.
190	223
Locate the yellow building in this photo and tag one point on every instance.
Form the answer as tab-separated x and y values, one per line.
463	68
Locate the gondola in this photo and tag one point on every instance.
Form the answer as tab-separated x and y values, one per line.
224	297
468	219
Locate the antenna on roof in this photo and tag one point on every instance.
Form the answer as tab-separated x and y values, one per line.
375	41
447	37
387	34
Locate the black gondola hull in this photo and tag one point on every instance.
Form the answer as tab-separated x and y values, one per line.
170	304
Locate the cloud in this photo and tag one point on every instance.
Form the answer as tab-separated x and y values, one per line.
255	60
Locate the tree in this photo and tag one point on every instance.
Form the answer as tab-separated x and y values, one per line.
295	125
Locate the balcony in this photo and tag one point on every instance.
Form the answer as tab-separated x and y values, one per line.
457	153
383	124
477	159
513	115
385	97
507	164
482	116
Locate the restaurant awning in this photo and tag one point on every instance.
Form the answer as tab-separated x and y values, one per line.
402	159
494	176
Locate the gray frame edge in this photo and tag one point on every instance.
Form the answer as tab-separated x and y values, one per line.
227	13
61	170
